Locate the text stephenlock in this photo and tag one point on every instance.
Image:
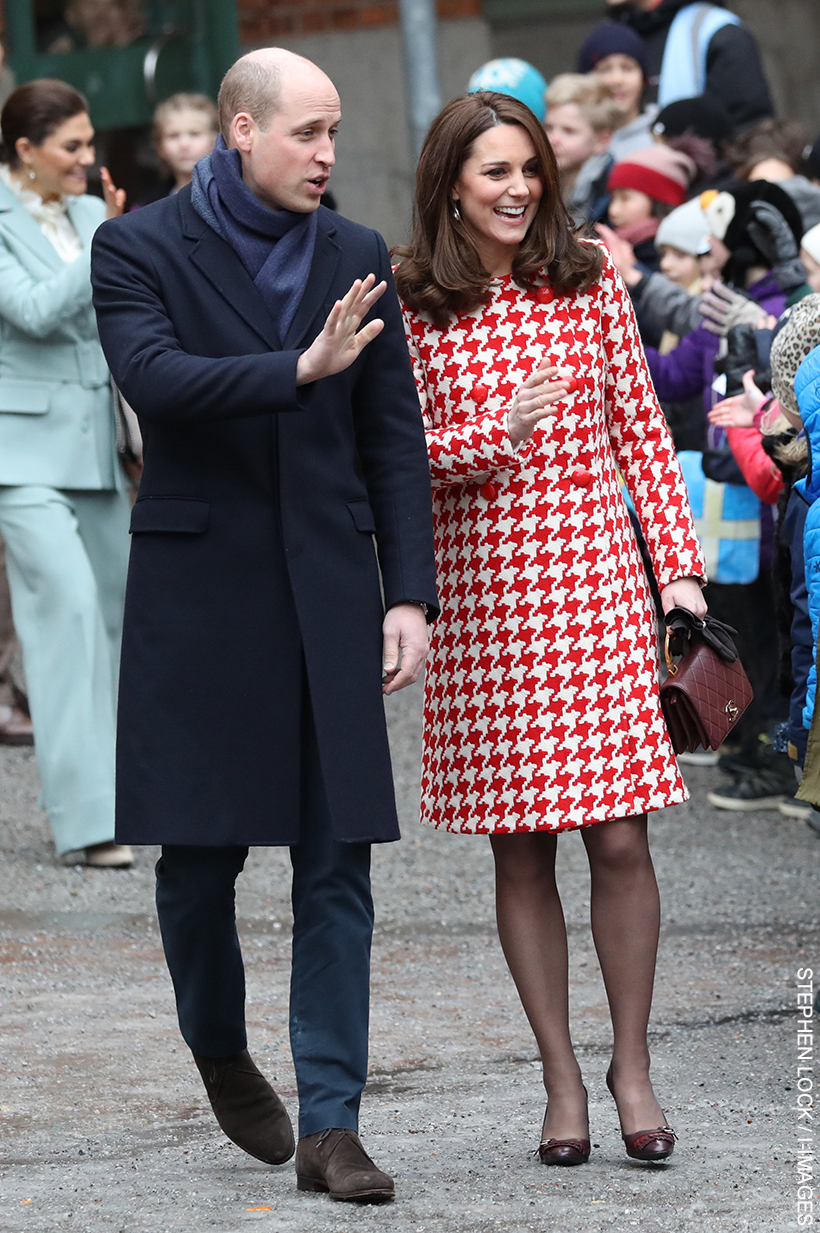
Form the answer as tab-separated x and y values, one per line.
805	1096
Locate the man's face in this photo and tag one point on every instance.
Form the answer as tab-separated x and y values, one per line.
287	166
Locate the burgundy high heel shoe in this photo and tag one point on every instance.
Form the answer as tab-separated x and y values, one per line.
564	1151
647	1145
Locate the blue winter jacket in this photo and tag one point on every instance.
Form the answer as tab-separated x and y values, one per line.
791	532
807	390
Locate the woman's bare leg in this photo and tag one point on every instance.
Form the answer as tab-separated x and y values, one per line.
534	940
625	925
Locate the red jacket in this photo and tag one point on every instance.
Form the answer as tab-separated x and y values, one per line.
759	472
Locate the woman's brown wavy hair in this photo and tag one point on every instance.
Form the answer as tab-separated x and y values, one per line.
440	271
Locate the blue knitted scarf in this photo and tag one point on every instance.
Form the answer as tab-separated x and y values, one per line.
275	246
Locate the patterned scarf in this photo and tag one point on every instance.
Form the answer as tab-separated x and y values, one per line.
275	246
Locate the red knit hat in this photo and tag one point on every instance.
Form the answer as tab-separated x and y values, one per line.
662	173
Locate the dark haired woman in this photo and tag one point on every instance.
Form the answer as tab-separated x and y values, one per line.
63	504
542	711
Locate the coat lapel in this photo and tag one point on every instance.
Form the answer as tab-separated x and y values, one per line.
224	270
17	220
85	221
322	271
215	258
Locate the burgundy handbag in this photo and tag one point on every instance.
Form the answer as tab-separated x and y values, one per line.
707	691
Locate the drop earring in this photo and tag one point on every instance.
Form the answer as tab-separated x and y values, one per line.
456	212
32	175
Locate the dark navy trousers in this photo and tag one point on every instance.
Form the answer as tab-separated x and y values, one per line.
330	974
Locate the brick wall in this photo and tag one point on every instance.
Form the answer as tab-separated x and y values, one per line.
265	20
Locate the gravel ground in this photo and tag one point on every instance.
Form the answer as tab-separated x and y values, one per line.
106	1129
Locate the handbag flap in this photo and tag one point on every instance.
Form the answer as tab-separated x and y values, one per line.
713	693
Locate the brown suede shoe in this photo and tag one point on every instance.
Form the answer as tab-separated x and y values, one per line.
246	1107
335	1162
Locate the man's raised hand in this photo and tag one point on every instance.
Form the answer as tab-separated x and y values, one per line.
339	344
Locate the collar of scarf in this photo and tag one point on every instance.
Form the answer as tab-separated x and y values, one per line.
275	246
636	233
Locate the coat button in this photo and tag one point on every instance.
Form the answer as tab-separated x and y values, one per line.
573	383
488	491
581	477
480	393
545	295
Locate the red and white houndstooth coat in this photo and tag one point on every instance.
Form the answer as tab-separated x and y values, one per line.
541	700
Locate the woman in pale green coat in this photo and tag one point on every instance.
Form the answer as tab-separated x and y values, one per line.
63	498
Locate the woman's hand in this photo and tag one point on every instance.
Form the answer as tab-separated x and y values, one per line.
535	400
684	593
114	197
339	344
740	410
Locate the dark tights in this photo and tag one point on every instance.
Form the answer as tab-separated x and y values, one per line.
625	912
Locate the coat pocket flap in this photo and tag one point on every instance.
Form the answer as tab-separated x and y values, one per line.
24	397
362	516
185	515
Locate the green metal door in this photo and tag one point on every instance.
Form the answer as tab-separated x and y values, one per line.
124	55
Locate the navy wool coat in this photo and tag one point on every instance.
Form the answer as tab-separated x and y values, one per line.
254	576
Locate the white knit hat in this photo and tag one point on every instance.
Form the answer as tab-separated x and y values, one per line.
686	228
811	243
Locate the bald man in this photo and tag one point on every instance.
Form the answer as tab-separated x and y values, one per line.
281	580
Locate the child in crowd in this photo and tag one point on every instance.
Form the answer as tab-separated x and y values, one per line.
682	241
810	256
644	188
766	782
784	439
700	127
807	396
617	55
581	114
775	150
185	129
683	245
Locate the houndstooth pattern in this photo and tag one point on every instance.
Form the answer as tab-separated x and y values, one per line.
541	701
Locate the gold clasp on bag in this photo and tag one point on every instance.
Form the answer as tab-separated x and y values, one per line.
732	710
671	666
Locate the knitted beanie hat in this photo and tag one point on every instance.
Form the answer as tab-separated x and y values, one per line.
610	38
686	228
811	242
662	173
514	77
799	336
704	117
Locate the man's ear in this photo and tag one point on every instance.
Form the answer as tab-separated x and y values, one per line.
242	132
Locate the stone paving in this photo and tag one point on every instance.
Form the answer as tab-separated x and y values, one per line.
106	1129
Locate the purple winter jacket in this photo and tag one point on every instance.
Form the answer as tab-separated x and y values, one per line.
689	369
